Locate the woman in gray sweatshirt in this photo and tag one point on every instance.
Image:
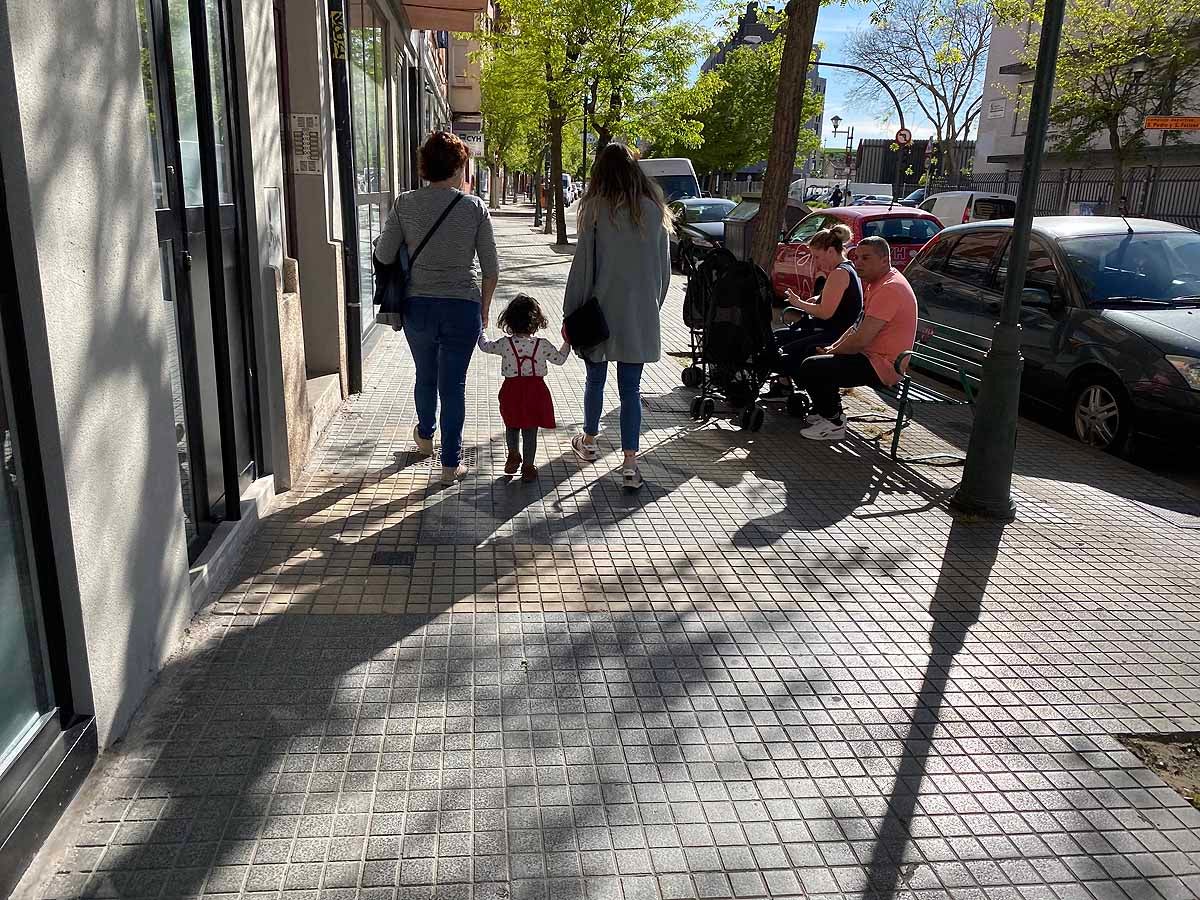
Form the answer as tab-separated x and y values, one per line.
449	296
623	258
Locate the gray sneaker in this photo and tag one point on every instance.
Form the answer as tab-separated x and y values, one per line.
632	478
585	450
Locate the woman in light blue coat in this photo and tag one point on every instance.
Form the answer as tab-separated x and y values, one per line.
623	258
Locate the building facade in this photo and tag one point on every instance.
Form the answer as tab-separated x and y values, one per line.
1004	116
190	191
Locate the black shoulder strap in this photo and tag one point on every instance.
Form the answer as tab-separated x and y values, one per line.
436	225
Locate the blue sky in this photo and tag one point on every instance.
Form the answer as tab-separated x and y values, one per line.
834	25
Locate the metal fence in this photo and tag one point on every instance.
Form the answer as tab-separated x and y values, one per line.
1170	193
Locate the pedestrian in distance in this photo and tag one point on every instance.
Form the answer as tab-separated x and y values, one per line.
447	303
525	403
868	354
835	199
623	260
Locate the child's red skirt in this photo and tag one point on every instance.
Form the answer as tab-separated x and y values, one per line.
525	402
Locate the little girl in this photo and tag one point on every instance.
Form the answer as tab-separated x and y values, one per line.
525	404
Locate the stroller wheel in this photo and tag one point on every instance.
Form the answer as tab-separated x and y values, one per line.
693	376
707	407
755	418
798	405
695	407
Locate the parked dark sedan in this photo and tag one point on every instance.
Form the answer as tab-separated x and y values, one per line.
699	226
1110	322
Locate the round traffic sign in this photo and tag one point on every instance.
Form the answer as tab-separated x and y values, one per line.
903	137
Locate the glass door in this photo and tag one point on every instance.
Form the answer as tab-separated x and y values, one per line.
370	113
204	307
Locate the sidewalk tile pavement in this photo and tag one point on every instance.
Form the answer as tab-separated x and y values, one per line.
780	670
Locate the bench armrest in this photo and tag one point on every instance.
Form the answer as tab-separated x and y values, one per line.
901	362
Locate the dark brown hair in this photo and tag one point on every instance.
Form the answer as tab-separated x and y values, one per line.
442	155
618	182
834	237
523	315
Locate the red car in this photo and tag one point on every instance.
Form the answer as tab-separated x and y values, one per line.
905	229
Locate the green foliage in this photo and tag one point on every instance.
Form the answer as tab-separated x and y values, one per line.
1118	61
736	125
512	104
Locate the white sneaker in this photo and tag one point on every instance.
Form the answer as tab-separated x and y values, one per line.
825	430
585	450
632	479
813	419
424	445
451	474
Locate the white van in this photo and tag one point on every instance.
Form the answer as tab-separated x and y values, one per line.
957	207
674	175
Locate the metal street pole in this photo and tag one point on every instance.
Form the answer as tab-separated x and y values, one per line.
986	488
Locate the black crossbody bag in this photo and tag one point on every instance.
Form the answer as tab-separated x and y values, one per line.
586	327
391	280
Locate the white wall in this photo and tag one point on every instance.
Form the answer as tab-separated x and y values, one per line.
90	290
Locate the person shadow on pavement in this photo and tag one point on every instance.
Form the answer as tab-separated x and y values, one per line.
967	563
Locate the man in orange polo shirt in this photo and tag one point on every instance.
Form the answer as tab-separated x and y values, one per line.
866	354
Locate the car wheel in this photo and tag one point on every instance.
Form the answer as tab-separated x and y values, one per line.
1101	415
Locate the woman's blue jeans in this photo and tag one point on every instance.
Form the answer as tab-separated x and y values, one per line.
629	386
442	334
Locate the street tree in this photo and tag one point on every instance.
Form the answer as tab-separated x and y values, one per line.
797	35
554	36
637	72
512	105
1119	61
736	124
934	55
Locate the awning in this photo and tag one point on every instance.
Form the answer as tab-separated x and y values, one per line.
443	15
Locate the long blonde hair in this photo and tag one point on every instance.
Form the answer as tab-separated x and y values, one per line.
618	182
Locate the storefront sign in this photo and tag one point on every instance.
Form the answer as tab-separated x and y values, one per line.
997	108
473	140
306	144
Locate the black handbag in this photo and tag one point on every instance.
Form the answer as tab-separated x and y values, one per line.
586	327
391	279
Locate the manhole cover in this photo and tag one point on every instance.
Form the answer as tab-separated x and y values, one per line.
393	558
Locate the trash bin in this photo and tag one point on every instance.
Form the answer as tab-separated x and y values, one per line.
742	221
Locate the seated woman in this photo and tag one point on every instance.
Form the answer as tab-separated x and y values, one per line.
829	315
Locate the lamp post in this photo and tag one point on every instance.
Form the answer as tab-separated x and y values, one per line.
986	487
849	133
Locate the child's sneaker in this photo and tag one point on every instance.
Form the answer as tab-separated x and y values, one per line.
585	449
512	465
632	478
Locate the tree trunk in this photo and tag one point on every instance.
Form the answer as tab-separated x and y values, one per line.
789	98
493	177
604	132
557	122
1118	191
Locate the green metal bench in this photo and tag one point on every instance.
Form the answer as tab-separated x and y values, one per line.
941	351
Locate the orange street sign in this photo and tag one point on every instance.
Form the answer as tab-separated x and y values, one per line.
1173	123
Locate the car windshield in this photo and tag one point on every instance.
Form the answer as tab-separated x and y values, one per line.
901	229
707	212
1158	267
916	196
675	187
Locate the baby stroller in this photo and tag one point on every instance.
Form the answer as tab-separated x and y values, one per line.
736	345
701	279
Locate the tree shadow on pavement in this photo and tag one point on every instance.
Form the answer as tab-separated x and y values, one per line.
967	563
